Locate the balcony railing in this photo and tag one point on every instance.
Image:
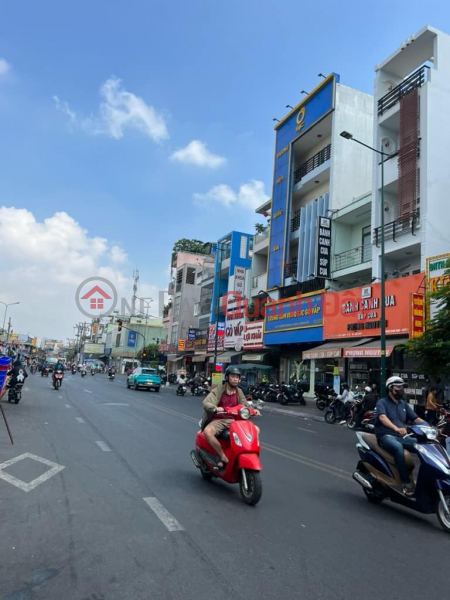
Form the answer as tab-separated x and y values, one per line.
416	80
311	164
295	221
290	269
394	229
353	257
260	237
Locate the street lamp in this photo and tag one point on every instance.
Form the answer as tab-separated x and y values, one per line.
349	136
6	310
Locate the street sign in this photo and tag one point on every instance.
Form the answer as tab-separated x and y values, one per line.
132	337
323	249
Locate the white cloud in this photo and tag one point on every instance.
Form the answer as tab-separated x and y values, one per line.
4	67
118	255
249	196
42	265
118	111
196	153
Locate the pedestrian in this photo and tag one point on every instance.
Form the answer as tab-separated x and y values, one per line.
439	395
432	406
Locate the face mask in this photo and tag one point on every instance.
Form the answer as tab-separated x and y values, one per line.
398	394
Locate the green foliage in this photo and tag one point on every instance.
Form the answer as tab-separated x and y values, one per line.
186	245
259	228
152	353
432	349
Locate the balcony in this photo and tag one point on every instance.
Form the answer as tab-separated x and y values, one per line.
311	164
259	282
416	80
395	229
352	258
295	221
171	289
290	269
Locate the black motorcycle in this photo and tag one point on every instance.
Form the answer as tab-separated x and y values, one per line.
181	389
111	376
324	398
172	378
15	393
291	395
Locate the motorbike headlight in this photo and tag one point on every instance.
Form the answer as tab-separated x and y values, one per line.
236	439
430	432
244	413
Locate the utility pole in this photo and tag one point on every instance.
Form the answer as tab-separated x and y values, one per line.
135	287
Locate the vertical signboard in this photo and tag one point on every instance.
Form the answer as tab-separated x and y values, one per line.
323	253
239	281
436	278
317	104
190	343
417	315
132	337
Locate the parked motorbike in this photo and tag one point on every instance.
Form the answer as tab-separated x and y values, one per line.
240	444
172	378
57	379
15	393
289	395
181	389
379	478
324	398
270	392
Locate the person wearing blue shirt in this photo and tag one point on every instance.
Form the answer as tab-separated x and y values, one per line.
393	415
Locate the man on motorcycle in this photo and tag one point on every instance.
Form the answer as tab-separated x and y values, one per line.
58	367
222	397
17	374
368	403
111	371
393	414
344	397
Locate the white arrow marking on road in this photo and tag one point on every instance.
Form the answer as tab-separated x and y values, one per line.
79	419
103	446
88	391
27	487
163	515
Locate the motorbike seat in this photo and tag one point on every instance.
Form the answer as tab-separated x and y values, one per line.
371	441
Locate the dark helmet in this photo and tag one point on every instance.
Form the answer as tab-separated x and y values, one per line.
232	371
345	386
17	363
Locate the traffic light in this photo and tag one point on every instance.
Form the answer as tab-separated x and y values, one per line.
119	326
144	353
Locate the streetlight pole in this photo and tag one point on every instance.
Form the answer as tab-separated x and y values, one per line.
6	310
384	157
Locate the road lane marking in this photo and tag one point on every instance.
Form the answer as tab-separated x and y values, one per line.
67	405
114	404
27	487
88	391
79	419
103	446
163	515
308	430
60	397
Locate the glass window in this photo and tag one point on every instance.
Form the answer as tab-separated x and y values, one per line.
176	310
148	371
243	247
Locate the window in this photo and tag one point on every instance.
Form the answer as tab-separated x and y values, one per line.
118	339
250	247
148	371
174	334
190	275
196	309
179	280
243	248
366	244
176	310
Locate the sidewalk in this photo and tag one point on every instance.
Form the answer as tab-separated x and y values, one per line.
296	410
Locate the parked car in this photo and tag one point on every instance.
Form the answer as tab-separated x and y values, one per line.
144	377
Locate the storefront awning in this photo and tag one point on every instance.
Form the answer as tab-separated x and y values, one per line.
372	349
254	357
333	349
225	357
199	358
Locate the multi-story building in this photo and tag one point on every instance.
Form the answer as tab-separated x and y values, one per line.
316	173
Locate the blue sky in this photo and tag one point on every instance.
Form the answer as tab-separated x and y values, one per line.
205	71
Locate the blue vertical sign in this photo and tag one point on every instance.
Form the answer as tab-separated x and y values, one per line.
318	104
132	337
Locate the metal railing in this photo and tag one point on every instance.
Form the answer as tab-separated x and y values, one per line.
295	221
290	269
353	257
394	229
312	163
417	79
205	308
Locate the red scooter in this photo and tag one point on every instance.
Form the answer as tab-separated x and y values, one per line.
57	379
240	444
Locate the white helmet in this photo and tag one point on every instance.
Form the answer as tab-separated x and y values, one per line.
367	389
394	381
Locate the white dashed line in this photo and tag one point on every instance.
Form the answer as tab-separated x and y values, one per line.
103	446
60	397
308	430
114	404
67	405
79	419
163	515
88	391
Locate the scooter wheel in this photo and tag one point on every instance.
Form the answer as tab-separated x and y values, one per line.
444	520
351	424
330	417
206	475
373	497
251	495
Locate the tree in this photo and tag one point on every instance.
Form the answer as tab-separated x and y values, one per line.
185	245
260	228
432	349
150	355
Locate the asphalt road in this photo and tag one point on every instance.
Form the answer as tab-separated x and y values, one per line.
85	532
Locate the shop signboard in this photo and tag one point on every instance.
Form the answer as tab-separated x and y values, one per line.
253	335
417	315
436	278
94	348
356	312
323	251
212	337
201	340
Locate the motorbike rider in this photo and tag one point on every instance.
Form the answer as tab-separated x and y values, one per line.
393	414
196	382
222	397
181	381
58	367
17	374
369	402
244	386
111	371
344	397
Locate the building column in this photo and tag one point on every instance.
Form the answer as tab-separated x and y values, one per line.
312	378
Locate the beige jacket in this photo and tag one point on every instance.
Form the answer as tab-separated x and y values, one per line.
212	401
